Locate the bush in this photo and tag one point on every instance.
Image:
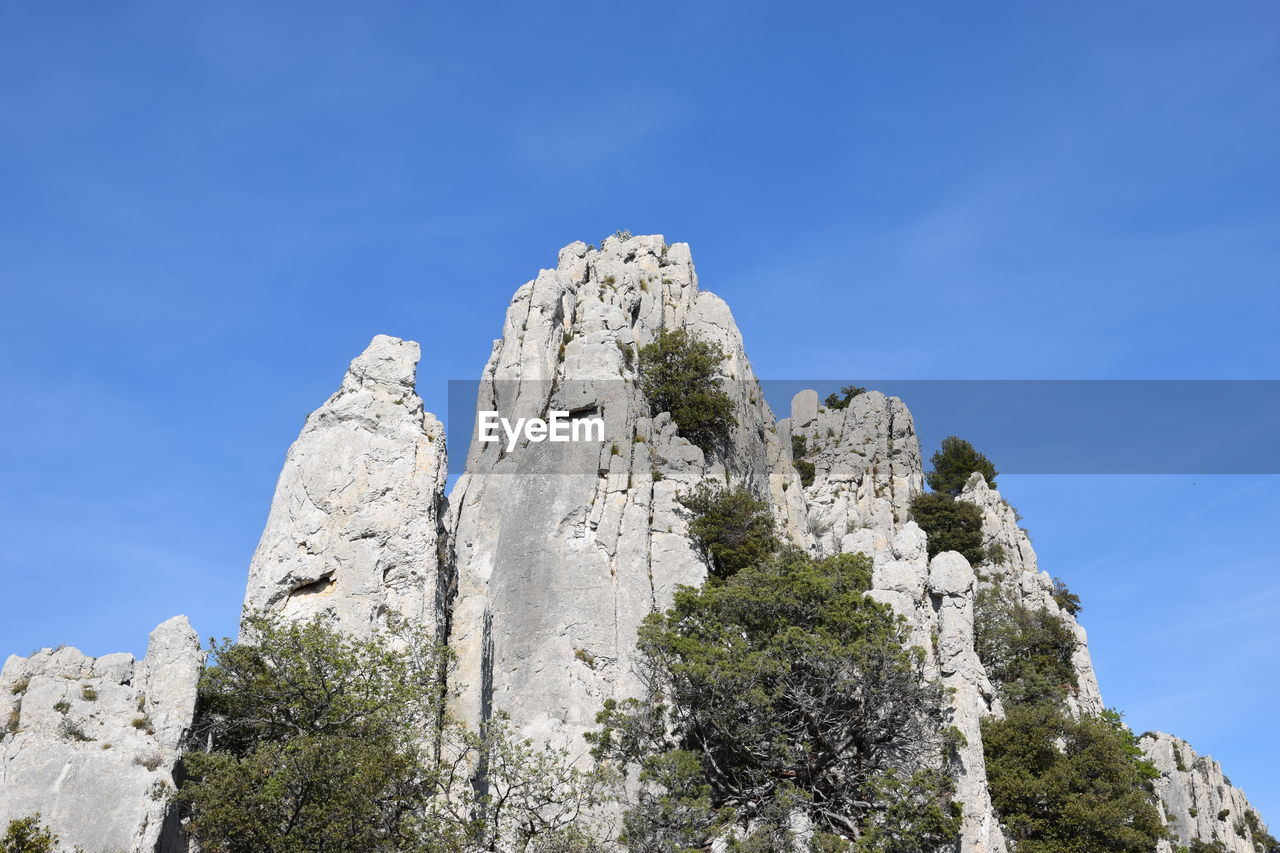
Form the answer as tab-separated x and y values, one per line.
307	739
847	393
1198	846
953	464
1026	652
1063	785
28	835
783	688
1264	841
1065	598
680	374
951	525
731	527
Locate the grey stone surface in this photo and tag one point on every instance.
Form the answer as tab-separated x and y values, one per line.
355	523
91	743
1194	794
561	551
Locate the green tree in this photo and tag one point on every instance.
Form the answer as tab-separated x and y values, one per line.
317	740
1026	651
953	464
842	400
680	374
1063	785
1065	598
784	688
732	527
950	525
309	740
28	835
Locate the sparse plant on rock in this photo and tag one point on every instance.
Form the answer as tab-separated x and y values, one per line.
680	374
846	395
954	462
1026	651
28	835
732	527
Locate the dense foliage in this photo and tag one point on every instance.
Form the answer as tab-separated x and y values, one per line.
311	741
680	374
950	525
1061	783
28	835
1026	651
1064	785
783	688
846	395
953	464
732	527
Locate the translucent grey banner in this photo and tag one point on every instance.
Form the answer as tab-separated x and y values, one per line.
1024	426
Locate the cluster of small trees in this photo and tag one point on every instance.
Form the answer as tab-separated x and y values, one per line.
311	740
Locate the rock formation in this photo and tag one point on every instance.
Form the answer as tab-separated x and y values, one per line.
91	743
540	565
355	525
1198	800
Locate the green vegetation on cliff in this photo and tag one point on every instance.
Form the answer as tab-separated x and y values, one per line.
680	374
783	689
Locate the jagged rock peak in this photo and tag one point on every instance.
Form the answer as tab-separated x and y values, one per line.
1198	800
355	524
91	743
866	467
557	565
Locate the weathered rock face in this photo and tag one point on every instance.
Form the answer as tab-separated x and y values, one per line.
91	743
866	460
549	556
355	525
867	469
1016	571
561	550
1198	800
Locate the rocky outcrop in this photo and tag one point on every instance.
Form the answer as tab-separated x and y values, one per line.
561	550
1012	565
91	743
549	556
867	468
356	523
866	464
1198	800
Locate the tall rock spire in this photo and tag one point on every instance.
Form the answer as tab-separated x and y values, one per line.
355	525
561	553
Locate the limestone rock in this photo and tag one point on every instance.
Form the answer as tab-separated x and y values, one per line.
1017	571
562	550
355	524
1197	799
866	460
91	743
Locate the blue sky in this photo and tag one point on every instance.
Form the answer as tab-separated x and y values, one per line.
210	208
